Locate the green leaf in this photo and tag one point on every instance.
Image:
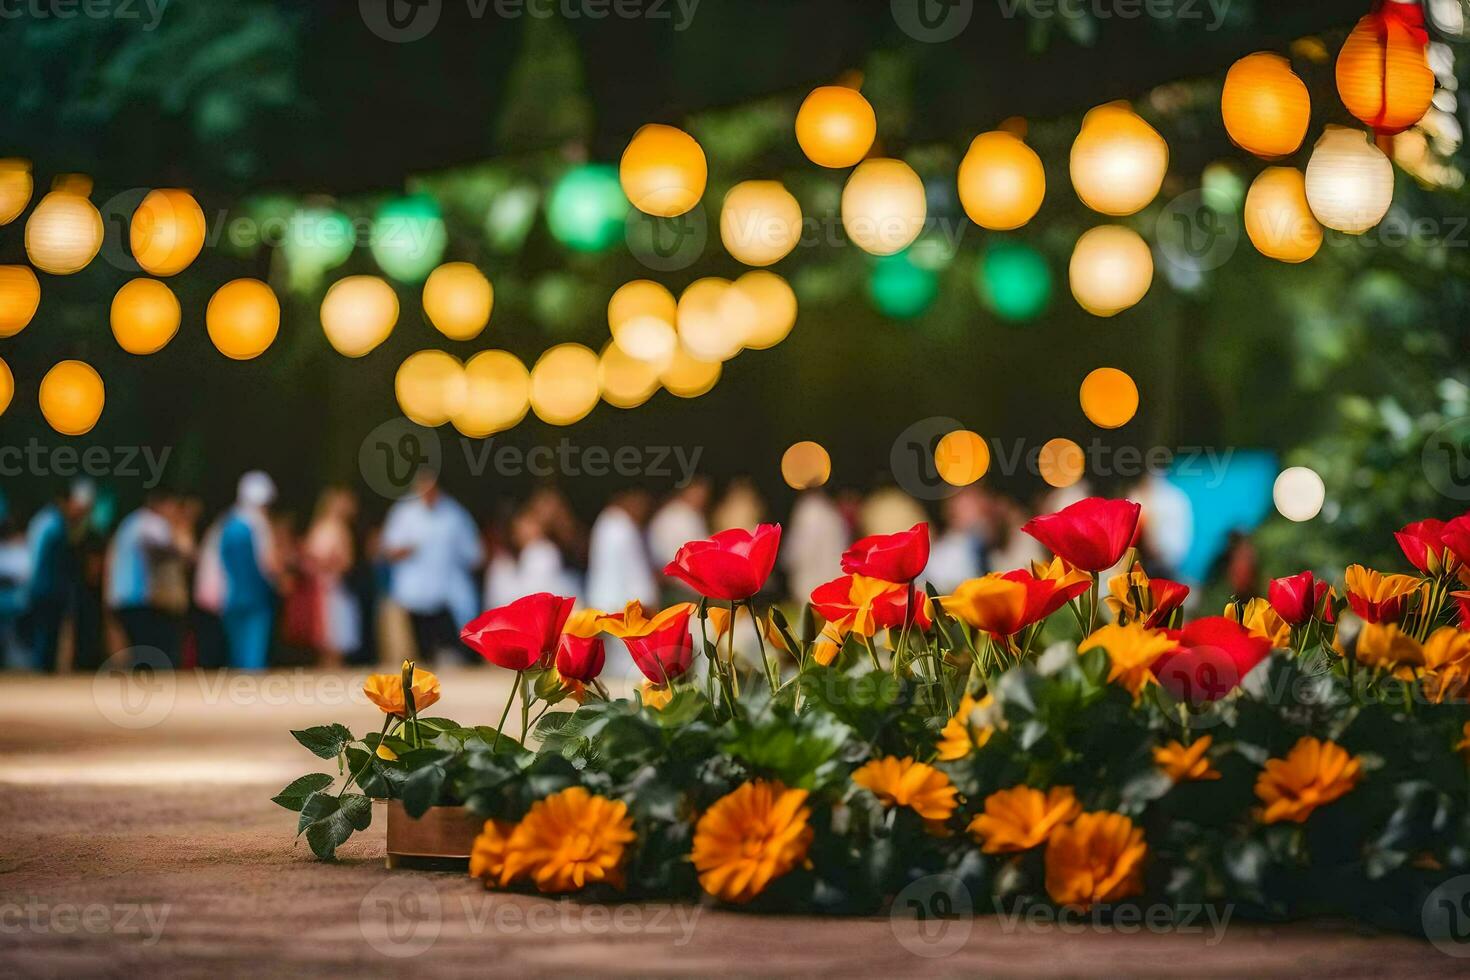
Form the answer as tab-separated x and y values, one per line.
421	789
318	806
294	796
325	741
352	812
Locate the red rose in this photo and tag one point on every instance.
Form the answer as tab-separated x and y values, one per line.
891	607
897	557
580	658
1424	545
1091	534
521	635
1213	655
1298	598
1456	538
733	565
1165	596
661	645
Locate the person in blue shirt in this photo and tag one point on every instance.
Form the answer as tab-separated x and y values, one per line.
144	542
248	558
54	572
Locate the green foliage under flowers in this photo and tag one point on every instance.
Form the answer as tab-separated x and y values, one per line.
1375	854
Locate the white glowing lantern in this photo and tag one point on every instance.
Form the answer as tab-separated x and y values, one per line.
883	207
358	314
1111	269
63	233
707	328
1298	494
774	305
1349	181
1118	160
760	222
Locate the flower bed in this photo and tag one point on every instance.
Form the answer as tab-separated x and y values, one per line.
1041	735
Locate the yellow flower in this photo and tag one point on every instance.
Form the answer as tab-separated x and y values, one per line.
655	696
1446	664
749	838
1379	598
1061	573
584	623
633	622
904	782
487	857
568	840
1259	619
1020	818
1132	650
961	735
829	644
1096	858
383	752
1386	646
386	691
1313	774
1186	764
719	622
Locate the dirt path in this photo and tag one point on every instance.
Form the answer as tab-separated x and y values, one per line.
137	839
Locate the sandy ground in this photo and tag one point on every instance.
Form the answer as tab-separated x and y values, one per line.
137	838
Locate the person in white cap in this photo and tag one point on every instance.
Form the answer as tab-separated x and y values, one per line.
248	559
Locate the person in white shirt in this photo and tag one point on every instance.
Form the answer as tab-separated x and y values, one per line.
144	539
961	552
812	547
680	520
618	569
433	548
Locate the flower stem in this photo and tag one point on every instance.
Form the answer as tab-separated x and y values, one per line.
771	678
500	725
352	776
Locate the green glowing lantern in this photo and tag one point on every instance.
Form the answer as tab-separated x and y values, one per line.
1014	281
586	209
316	241
409	238
900	288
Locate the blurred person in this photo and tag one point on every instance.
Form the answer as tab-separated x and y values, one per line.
618	566
327	556
961	552
1011	547
1167	524
741	506
251	565
144	544
210	648
1238	566
539	566
550	505
502	579
55	574
681	519
888	510
433	547
15	576
812	546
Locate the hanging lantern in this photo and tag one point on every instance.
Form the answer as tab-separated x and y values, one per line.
883	206
20	296
835	126
774	303
317	240
1298	493
689	377
167	232
1118	160
1001	181
626	381
805	465
458	299
1349	181
430	387
71	397
409	238
663	171
1014	281
706	329
901	289
961	457
16	187
7	386
760	222
587	210
1383	73
564	384
243	318
358	314
1109	398
1265	105
144	316
1277	217
1111	269
497	394
641	317
63	233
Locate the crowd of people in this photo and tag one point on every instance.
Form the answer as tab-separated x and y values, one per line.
250	589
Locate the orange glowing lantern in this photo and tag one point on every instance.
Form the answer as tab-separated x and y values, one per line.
1265	105
1383	73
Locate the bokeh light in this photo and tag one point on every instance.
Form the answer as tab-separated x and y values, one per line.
1349	181
689	377
7	386
20	296
1014	281
71	397
430	387
883	206
1118	160
167	232
1001	181
900	288
144	316
961	457
63	233
243	318
1109	397
1278	219
835	126
358	313
760	222
586	208
16	187
458	300
409	238
564	384
626	381
663	171
1111	269
1265	105
706	328
1060	462
497	394
1298	493
805	465
317	240
774	305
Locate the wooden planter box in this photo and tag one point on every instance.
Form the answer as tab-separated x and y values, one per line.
439	840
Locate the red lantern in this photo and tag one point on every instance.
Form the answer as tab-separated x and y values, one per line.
1383	72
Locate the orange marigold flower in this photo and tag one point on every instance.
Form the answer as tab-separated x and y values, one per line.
904	782
487	857
1447	664
1186	764
961	734
749	838
1020	818
1132	650
1313	774
569	840
1096	858
1260	619
386	691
